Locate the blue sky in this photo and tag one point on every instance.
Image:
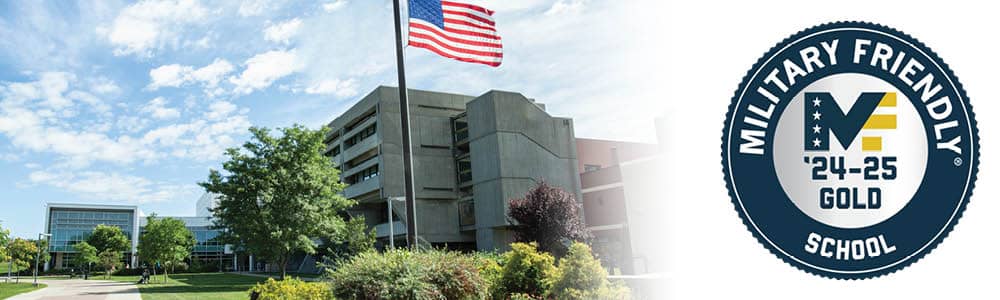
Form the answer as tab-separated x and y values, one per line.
133	102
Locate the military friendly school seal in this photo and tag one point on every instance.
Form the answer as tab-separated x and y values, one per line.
850	150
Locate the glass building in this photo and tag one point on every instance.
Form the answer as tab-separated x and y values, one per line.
73	223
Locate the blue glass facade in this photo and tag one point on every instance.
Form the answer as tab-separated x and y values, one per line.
70	226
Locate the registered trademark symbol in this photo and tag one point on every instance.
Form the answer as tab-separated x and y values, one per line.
958	161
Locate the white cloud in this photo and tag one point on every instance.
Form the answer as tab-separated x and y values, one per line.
250	8
175	75
103	85
112	186
334	5
340	88
220	109
148	25
263	69
566	6
281	32
157	108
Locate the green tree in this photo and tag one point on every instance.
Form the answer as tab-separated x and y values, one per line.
526	271
580	276
44	245
278	193
4	241
106	237
166	241
354	238
86	255
110	260
23	253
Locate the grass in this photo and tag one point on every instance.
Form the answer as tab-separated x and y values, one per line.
291	274
8	290
195	286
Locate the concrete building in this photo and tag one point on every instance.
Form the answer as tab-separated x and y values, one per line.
71	223
471	155
621	183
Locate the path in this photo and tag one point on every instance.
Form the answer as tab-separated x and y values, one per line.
77	289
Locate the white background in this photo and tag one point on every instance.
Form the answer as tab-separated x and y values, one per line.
709	46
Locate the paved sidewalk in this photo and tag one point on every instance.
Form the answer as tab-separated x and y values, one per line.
76	289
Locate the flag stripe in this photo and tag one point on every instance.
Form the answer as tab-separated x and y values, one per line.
460	31
486	61
465	33
484	46
467	23
468	15
469	6
483	51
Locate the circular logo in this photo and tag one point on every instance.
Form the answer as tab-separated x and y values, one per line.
850	150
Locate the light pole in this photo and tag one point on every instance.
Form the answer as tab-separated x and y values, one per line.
37	256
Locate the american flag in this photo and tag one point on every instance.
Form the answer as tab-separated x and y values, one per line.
455	30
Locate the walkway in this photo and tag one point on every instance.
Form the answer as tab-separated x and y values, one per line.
76	289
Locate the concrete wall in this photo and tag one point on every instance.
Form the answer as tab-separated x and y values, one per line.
514	145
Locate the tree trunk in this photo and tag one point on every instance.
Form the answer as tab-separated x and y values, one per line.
284	263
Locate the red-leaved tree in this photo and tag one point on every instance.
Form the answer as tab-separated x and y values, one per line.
550	216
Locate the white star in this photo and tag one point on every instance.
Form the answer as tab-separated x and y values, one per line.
816	115
816	101
816	143
816	128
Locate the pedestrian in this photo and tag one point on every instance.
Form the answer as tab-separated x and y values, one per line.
145	276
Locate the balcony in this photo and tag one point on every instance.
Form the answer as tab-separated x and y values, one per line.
364	165
363	187
357	149
382	230
359	127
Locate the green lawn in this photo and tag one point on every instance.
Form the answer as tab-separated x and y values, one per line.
195	286
8	290
290	274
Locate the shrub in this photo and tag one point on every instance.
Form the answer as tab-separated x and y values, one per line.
290	289
549	216
400	274
490	269
580	276
525	271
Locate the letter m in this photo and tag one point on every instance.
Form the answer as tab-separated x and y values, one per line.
822	115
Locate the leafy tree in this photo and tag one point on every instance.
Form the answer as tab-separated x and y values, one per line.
106	237
580	276
549	216
278	193
354	238
23	253
525	271
167	241
86	255
44	245
4	241
110	260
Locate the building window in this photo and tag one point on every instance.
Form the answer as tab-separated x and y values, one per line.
360	136
590	168
333	152
363	175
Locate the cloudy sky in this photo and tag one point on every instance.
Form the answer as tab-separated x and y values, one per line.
134	102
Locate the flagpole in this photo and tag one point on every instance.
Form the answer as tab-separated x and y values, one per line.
404	113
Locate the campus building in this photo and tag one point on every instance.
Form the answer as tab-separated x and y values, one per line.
622	185
72	223
471	155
